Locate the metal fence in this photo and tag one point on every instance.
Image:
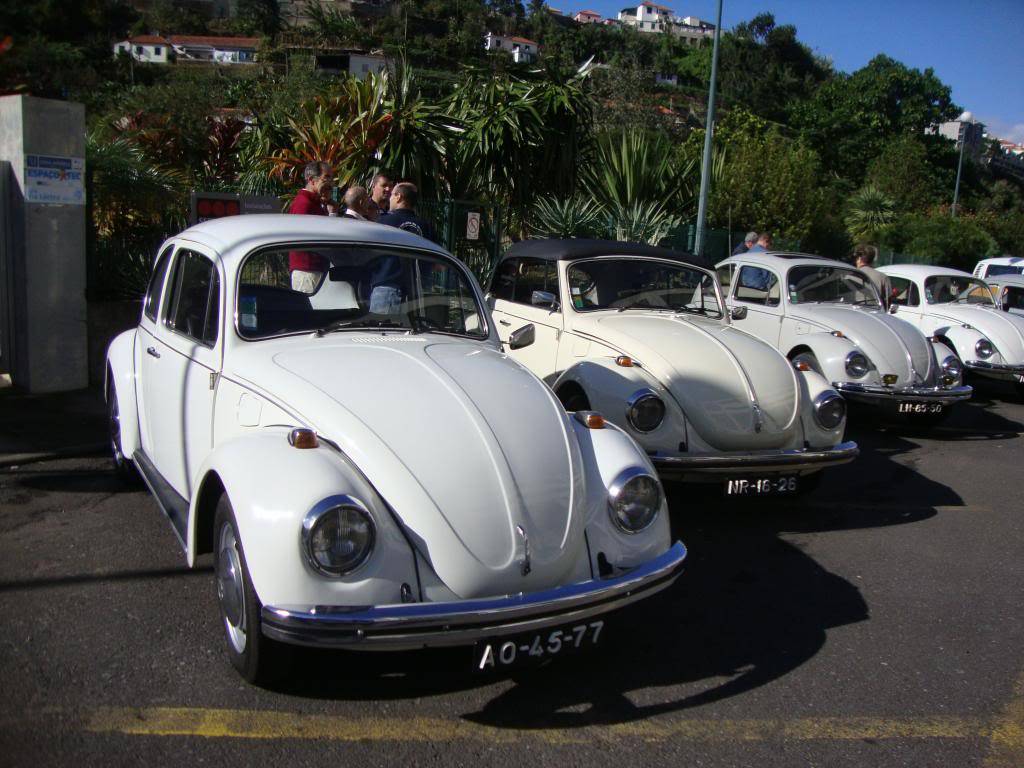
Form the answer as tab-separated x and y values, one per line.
472	231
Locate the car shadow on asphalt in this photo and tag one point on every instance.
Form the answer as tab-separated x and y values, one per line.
750	608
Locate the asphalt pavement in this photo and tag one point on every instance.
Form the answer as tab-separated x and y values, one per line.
876	621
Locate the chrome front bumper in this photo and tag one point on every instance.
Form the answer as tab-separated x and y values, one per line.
753	462
877	393
995	370
421	625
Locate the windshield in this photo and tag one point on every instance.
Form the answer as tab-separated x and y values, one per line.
627	283
299	288
811	284
995	270
954	289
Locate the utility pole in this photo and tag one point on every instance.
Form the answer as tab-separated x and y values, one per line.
705	171
960	163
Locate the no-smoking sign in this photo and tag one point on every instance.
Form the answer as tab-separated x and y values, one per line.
473	226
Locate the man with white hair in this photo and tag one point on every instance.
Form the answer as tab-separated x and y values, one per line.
746	245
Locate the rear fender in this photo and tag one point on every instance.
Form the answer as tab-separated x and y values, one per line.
120	378
813	385
271	487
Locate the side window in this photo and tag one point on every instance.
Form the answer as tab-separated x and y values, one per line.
193	303
904	292
156	283
758	286
534	275
504	282
725	277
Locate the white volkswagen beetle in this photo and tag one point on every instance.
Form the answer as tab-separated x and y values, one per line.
959	310
324	405
826	315
640	334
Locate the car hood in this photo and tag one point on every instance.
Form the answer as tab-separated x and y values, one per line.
737	392
893	345
464	444
1004	330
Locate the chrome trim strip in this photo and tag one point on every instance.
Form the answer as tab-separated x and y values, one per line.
321	508
981	365
923	394
758	460
420	625
616	488
643	394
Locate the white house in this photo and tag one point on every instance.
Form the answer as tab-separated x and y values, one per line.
357	63
647	17
150	48
692	30
523	51
587	17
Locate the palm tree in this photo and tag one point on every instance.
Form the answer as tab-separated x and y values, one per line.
869	214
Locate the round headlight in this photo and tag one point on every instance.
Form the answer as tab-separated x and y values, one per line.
645	411
829	410
338	536
951	367
984	349
856	364
634	500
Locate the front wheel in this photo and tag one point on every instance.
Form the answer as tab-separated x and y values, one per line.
123	466
254	656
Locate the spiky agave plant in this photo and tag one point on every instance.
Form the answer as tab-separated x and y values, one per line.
577	216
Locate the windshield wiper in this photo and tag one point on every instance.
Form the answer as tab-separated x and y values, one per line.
342	325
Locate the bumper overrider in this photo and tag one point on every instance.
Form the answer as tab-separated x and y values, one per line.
752	462
420	625
878	393
995	370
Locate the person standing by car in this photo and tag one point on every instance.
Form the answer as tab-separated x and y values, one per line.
402	213
357	204
746	245
380	194
308	268
764	243
864	257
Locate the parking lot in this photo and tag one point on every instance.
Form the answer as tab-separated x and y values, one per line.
876	621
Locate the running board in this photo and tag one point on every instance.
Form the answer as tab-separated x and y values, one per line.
172	504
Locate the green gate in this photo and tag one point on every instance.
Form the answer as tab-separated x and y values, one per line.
470	230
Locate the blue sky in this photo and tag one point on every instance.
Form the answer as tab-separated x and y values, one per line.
977	48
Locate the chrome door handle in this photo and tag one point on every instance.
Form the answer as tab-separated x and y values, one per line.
152	351
504	322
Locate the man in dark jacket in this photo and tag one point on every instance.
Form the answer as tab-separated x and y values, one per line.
402	212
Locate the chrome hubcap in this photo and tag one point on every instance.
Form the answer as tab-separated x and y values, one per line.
114	424
230	587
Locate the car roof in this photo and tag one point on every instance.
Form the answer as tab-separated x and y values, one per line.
1003	260
235	236
921	271
570	249
1017	280
772	259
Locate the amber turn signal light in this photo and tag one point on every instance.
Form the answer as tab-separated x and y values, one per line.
624	361
303	438
590	420
800	365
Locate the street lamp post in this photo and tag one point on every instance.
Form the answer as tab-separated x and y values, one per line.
705	171
965	120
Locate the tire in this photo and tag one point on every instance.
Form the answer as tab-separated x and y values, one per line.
124	468
258	659
809	358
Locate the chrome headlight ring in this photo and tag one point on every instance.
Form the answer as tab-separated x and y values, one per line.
829	410
857	364
339	527
951	366
634	500
984	349
645	411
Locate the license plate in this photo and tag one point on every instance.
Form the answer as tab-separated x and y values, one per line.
521	650
919	408
761	486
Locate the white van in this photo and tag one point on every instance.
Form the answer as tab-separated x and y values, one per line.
1003	265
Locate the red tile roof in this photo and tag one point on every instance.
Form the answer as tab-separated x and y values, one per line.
587	13
655	5
216	42
522	40
148	40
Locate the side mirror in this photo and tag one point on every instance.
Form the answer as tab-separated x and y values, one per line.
738	313
544	299
522	337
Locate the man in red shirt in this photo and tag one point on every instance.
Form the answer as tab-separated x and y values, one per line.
308	268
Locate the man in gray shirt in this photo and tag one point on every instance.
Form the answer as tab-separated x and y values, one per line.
864	256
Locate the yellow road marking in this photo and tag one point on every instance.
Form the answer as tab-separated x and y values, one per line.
1007	742
252	724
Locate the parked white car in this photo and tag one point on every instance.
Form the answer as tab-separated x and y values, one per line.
826	315
958	309
640	334
1001	265
380	478
1008	291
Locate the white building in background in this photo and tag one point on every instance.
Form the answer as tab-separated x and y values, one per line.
693	30
157	49
966	131
647	17
152	49
587	17
523	51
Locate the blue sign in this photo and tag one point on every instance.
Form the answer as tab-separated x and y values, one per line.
54	180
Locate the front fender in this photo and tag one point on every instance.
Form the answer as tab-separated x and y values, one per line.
607	453
961	339
121	378
271	487
609	387
830	351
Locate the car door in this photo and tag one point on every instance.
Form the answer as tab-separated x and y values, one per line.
906	300
517	291
146	339
757	289
182	360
